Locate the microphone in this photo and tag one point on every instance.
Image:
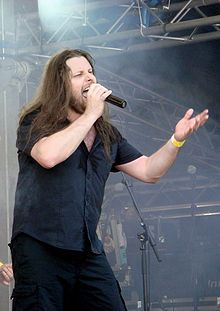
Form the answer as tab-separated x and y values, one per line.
117	101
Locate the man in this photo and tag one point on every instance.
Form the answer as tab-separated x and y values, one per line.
66	150
6	273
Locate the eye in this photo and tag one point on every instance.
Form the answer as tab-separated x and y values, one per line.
76	74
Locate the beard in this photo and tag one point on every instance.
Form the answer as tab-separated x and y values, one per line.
77	104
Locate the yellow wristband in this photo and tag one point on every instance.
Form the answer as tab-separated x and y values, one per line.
1	264
177	143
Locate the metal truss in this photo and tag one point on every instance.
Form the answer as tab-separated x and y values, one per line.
110	28
148	122
115	27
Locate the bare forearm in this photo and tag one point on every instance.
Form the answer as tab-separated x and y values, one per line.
151	169
56	148
159	163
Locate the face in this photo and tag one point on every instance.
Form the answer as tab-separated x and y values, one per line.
81	76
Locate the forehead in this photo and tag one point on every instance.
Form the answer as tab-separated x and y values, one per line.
78	63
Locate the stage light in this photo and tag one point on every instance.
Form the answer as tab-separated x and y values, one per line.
53	13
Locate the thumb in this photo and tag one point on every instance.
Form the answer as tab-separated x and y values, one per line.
188	114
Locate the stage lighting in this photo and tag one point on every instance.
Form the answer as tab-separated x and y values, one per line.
54	13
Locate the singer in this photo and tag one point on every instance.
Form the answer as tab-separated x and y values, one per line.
67	148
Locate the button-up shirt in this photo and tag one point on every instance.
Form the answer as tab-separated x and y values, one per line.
61	206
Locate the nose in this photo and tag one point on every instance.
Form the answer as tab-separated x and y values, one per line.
90	76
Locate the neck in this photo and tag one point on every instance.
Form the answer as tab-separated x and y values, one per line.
72	115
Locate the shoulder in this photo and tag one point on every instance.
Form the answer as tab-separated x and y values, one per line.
28	118
116	133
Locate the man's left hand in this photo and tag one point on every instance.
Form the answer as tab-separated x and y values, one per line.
188	124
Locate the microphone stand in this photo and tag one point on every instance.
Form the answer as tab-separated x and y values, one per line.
192	171
146	241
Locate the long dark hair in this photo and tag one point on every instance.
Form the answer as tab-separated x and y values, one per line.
54	97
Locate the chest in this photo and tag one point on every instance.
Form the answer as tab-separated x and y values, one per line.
89	139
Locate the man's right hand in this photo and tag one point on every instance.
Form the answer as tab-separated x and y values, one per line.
96	99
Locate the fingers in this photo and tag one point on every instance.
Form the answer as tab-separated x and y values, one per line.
99	91
204	116
188	124
106	94
188	114
6	274
9	271
96	96
200	119
4	281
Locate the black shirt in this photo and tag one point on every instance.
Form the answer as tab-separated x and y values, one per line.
61	205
